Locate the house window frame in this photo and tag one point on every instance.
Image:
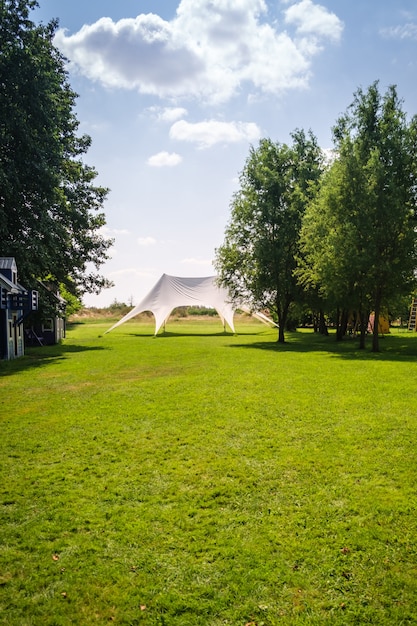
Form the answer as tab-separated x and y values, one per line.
48	325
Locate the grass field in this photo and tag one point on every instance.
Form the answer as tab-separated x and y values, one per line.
201	478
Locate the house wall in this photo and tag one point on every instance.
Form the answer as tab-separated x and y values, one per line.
59	329
15	303
13	341
50	331
4	351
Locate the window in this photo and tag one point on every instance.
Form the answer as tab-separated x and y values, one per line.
48	325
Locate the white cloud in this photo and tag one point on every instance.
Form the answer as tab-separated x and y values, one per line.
406	31
109	233
210	50
146	241
171	114
168	114
210	132
165	159
314	20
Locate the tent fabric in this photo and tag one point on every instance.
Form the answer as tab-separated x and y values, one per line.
172	291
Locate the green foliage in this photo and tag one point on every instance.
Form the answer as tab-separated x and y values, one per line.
72	303
358	235
184	311
117	306
50	216
204	479
202	310
258	257
341	243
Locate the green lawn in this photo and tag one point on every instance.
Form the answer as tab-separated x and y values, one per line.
201	478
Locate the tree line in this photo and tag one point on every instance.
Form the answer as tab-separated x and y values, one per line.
335	233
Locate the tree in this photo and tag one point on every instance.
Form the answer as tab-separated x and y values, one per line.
50	209
258	257
334	243
358	237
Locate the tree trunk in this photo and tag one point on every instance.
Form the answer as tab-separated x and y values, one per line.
322	324
315	322
364	318
342	325
282	321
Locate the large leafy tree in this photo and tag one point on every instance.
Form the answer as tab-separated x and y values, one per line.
50	209
258	257
334	243
359	238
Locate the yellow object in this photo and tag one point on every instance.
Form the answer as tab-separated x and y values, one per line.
383	324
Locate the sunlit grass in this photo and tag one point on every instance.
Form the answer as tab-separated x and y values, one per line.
201	478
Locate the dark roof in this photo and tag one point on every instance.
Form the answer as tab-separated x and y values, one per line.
7	284
7	263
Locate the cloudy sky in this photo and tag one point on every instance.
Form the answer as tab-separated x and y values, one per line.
174	93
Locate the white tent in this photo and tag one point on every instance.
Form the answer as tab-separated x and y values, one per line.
173	291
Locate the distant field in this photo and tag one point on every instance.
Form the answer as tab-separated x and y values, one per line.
203	479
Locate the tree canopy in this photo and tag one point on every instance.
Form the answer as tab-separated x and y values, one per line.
358	235
50	208
258	257
340	235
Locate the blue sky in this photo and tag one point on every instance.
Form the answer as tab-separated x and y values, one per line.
174	93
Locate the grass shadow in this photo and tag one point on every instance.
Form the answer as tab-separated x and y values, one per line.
168	334
36	357
392	347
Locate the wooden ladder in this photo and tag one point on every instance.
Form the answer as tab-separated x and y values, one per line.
412	322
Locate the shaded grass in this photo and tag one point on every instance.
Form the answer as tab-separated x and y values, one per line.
199	478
